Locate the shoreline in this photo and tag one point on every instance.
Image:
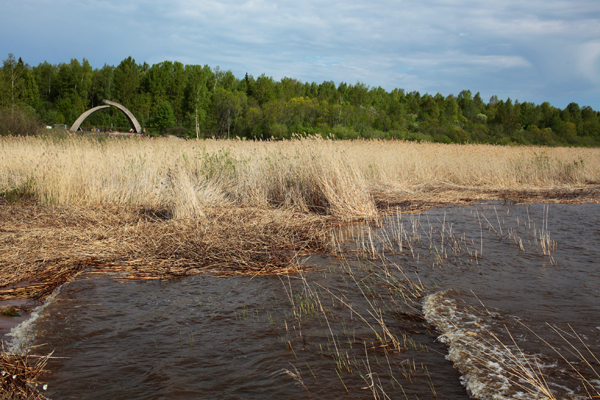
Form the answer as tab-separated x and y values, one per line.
15	293
19	293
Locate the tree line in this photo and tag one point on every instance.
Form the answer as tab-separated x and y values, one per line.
200	101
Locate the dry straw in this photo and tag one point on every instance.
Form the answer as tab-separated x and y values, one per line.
19	376
328	177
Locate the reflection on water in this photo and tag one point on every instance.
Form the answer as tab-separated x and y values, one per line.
353	326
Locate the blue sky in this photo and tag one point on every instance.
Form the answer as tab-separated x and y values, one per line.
531	51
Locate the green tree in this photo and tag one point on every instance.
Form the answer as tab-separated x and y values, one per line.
529	114
327	91
103	84
467	104
396	109
18	87
574	112
342	93
412	102
176	89
163	117
253	122
196	96
507	117
249	83
156	82
102	89
590	122
588	114
358	94
428	109
547	114
228	107
450	109
378	98
264	89
479	104
45	77
127	79
86	82
289	88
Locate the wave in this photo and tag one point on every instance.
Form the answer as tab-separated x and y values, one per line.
491	367
24	333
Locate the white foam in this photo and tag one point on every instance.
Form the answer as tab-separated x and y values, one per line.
488	367
24	333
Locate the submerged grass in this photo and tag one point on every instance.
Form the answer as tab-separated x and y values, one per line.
375	322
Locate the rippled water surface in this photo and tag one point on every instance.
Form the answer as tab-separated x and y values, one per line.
353	326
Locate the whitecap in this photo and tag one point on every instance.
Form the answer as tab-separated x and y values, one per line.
489	369
24	333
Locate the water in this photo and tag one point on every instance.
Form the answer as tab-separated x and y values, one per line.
525	283
354	325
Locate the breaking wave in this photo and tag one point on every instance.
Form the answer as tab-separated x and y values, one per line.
24	333
491	364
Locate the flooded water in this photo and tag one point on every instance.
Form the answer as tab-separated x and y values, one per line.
453	303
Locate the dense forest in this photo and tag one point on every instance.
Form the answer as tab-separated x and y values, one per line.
194	100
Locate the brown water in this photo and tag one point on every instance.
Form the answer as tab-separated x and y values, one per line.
353	327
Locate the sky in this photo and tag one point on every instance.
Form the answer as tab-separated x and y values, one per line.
531	50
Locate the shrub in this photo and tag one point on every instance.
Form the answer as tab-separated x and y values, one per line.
442	139
343	132
279	131
19	122
177	131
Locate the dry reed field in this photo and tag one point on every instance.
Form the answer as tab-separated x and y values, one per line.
170	207
339	178
163	208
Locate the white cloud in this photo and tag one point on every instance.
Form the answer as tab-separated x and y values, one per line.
458	58
589	61
532	50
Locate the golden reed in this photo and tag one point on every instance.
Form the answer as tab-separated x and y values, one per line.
339	178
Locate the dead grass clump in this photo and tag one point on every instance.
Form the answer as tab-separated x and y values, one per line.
228	241
19	376
47	246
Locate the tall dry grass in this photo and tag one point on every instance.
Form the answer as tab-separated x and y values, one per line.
339	178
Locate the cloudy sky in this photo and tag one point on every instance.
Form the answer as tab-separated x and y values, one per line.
527	50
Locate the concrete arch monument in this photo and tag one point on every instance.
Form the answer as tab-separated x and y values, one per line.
83	116
132	120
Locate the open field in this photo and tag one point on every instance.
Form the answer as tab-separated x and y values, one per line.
162	208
